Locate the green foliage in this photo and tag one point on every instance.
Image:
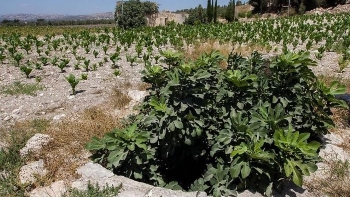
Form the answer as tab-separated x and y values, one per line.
84	76
26	70
73	82
230	11
196	16
215	11
18	57
132	14
63	64
171	58
252	125
93	191
210	13
116	72
11	162
114	58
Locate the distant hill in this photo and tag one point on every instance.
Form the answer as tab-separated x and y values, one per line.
52	17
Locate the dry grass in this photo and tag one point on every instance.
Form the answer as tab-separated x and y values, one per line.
335	179
192	53
341	118
118	99
143	86
65	153
243	9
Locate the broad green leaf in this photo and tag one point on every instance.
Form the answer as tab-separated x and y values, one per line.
199	122
137	175
268	191
115	157
236	170
178	124
245	171
239	150
96	144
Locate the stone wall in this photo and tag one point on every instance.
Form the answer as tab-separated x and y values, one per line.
162	18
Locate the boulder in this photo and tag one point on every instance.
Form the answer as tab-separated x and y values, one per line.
56	189
334	151
35	143
29	172
96	174
137	95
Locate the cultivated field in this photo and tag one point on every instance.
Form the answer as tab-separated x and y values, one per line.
76	83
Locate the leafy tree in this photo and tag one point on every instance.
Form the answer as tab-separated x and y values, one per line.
196	16
230	11
134	13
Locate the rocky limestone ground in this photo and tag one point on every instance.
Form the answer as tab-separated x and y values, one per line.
56	104
332	10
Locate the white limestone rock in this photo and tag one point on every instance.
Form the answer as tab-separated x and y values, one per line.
137	95
35	143
56	189
29	172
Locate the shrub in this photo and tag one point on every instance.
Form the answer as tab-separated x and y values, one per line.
252	125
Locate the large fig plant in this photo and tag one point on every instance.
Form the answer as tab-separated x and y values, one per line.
252	125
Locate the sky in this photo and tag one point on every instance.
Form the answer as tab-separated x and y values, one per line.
79	7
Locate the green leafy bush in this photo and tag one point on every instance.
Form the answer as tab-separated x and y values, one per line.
252	125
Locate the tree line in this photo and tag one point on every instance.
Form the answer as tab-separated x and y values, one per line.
211	13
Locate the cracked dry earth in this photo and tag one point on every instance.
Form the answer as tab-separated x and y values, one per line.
55	102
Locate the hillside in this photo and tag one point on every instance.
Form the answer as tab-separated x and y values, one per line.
34	17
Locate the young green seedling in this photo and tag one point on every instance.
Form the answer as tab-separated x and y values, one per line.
95	53
87	65
84	76
131	59
73	82
26	70
116	72
18	57
63	64
114	58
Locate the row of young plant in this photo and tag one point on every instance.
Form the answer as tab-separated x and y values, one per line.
318	33
253	125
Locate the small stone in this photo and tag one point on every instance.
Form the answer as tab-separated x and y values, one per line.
71	97
15	116
58	117
7	118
